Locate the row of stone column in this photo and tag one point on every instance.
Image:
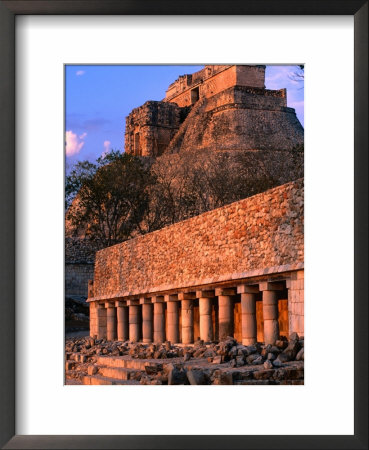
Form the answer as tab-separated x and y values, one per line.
124	321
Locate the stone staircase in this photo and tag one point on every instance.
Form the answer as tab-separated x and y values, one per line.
106	370
125	370
178	137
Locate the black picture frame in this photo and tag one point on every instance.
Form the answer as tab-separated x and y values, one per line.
8	12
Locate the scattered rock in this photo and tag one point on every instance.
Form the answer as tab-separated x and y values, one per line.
281	344
277	363
300	355
240	361
197	376
254	359
176	374
153	369
268	364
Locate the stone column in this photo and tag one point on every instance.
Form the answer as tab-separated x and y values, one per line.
270	311
226	325
159	319
147	325
248	313
172	318
101	320
206	319
122	318
295	287
111	330
187	317
134	321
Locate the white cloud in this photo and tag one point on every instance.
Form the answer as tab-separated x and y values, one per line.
73	142
80	73
106	148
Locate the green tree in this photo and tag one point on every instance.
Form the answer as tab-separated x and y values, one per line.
107	200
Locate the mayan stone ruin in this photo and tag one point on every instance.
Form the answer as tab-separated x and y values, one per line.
217	298
222	107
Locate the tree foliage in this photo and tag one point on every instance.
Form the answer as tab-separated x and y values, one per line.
121	196
108	199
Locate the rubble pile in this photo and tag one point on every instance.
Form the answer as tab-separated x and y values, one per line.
226	362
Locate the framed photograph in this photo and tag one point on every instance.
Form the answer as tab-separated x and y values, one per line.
185	203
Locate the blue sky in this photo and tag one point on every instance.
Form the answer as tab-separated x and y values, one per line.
98	99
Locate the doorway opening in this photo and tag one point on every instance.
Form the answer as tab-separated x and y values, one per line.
195	95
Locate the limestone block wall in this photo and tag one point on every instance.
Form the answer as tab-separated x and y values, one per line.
250	98
296	303
213	79
255	236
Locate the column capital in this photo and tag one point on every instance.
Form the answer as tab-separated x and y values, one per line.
186	296
225	291
145	300
133	302
205	294
271	286
110	304
157	299
120	303
247	289
171	298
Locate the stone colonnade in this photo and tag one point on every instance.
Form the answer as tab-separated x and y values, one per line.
143	318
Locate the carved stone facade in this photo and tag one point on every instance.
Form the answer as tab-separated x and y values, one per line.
220	108
244	278
151	127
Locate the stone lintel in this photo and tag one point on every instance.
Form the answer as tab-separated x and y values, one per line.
120	303
145	300
171	298
247	289
100	305
186	296
271	286
157	299
110	304
205	294
133	302
298	275
225	291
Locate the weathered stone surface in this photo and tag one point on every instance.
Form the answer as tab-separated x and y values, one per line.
197	376
268	364
153	369
217	360
300	355
263	374
228	105
176	374
141	265
134	364
254	359
92	370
